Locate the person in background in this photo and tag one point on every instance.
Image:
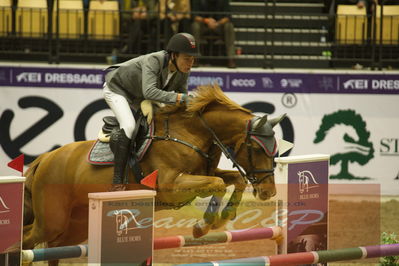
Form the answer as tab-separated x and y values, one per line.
214	17
177	17
138	16
369	5
160	76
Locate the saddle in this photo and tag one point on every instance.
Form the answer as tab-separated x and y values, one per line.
101	151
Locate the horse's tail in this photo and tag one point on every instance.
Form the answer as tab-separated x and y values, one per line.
29	216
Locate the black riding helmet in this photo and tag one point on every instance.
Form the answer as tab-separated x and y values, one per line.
183	43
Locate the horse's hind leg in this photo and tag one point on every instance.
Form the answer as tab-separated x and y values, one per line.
30	237
187	186
26	230
52	214
75	234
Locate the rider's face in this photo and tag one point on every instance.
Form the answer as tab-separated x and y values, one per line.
184	62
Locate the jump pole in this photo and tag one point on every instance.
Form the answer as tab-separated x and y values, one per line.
11	216
121	223
159	243
311	257
216	238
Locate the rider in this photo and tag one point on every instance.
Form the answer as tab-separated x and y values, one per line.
161	76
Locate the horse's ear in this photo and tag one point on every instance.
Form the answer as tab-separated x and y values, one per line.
275	121
260	122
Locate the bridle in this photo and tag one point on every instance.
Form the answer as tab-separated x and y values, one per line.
253	134
249	175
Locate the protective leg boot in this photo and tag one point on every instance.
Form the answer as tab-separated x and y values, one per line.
121	154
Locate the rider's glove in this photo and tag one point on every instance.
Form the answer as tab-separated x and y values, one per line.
183	98
147	109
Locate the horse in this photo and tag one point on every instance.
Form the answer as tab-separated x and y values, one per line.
58	182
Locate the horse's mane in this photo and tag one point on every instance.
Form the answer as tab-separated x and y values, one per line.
203	96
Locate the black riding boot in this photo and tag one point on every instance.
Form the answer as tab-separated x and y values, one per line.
121	154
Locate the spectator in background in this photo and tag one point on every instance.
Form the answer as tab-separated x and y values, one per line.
138	16
213	17
369	5
176	18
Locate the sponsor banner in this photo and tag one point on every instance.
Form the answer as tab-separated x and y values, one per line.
229	81
299	82
51	77
354	118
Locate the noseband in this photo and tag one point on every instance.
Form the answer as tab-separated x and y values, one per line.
249	175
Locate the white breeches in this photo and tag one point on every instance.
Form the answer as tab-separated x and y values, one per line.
120	106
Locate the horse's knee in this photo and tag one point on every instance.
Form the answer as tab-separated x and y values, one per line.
218	186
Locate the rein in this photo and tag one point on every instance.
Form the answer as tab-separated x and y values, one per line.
223	148
168	137
246	175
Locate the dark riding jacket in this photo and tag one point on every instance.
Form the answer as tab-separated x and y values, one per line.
144	77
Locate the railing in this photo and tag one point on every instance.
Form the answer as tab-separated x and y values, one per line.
264	38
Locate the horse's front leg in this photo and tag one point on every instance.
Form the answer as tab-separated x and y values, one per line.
203	186
230	210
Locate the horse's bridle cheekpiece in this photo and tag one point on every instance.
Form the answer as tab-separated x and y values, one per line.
263	134
259	130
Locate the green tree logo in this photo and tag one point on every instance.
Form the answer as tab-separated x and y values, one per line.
356	148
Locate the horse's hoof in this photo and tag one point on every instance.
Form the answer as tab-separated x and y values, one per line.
200	230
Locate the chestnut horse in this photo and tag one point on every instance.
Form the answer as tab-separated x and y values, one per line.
56	200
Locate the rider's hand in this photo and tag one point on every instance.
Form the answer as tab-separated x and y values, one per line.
147	109
184	98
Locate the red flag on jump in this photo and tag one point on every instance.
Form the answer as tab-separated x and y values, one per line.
18	164
150	180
